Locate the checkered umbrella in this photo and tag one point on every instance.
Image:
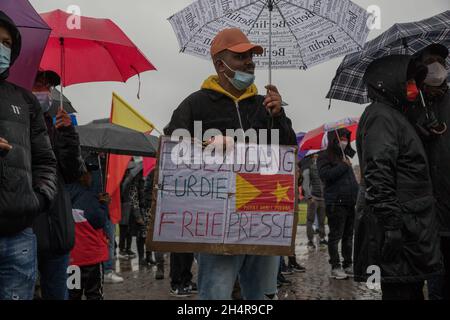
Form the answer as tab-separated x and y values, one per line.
401	38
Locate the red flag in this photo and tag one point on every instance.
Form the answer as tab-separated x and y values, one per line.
148	165
264	193
117	165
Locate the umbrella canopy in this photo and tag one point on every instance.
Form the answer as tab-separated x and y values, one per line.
56	103
34	32
305	32
111	138
401	38
303	153
317	138
97	51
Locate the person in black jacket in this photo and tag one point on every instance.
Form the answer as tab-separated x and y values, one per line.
396	228
340	192
435	135
27	173
230	100
159	256
55	229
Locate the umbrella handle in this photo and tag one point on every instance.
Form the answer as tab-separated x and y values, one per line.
61	103
339	141
270	7
101	172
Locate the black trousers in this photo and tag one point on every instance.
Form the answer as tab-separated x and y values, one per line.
180	268
340	221
140	244
439	286
91	283
445	249
402	291
125	238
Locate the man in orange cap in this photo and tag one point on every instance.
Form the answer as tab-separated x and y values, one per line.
230	100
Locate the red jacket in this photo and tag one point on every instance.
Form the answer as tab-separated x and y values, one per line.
91	246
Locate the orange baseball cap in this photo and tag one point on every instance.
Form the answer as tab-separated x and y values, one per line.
234	40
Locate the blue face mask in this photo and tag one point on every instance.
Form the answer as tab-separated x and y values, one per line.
241	80
5	58
44	99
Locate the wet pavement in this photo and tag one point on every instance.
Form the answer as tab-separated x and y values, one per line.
315	284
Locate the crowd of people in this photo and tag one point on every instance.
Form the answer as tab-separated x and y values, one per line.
54	211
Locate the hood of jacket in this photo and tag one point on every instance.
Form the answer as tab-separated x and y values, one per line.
16	40
212	83
333	141
386	79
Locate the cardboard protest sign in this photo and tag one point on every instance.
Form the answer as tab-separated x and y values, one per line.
239	207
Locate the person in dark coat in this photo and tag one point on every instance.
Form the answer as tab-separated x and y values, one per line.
397	228
159	256
91	247
27	173
55	228
132	199
340	191
432	127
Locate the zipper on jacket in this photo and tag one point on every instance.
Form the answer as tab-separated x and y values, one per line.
239	114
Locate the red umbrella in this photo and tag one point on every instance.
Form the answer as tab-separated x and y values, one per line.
314	139
96	51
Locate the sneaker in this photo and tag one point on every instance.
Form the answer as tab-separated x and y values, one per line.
349	271
143	262
311	246
272	296
282	280
131	254
323	242
150	261
297	267
338	274
180	292
112	277
192	287
159	275
287	271
123	254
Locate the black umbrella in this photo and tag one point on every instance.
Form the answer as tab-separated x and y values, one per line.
56	103
112	138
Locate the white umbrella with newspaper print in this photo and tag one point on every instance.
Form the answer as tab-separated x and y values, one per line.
294	33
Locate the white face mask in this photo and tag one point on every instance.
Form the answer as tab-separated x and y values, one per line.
343	144
437	74
5	58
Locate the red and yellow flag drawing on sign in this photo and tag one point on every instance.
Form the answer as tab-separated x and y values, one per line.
253	193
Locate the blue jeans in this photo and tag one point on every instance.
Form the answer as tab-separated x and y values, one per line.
110	233
18	266
218	273
53	276
272	275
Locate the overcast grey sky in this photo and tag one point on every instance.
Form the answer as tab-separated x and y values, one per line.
178	75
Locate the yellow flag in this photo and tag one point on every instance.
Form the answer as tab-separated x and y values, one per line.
126	116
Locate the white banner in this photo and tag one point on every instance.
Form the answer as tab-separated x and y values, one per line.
226	204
